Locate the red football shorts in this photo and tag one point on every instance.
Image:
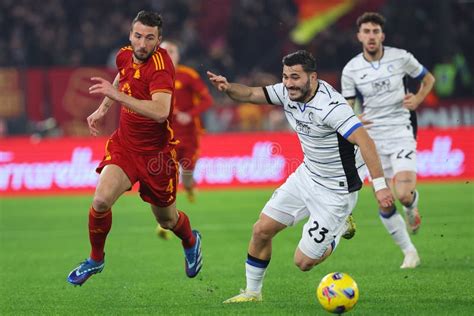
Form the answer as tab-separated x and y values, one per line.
187	153
156	173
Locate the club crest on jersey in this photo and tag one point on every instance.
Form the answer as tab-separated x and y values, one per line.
311	116
302	127
390	68
136	75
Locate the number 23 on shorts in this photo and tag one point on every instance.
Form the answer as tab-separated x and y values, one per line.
317	233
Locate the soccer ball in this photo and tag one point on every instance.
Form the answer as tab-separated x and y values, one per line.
337	292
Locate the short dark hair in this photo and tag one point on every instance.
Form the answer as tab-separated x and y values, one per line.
301	57
371	17
149	18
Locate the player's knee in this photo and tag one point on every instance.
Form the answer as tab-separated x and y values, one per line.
168	223
101	204
261	233
304	264
406	198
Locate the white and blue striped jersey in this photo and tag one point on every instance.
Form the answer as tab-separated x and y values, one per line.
323	124
381	86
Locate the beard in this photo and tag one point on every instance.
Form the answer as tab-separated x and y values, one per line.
144	56
374	50
305	91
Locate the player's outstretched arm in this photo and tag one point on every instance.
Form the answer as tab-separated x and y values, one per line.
368	150
237	91
158	108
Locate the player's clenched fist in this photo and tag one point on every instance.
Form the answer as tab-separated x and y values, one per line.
220	82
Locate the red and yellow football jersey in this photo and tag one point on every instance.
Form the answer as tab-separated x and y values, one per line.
137	132
191	96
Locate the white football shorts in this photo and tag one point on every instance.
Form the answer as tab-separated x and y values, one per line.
300	197
398	154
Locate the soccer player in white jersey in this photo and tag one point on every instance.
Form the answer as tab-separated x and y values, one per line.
377	76
325	186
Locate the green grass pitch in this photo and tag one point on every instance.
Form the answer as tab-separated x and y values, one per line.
43	238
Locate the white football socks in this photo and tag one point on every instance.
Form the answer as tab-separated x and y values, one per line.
397	228
255	277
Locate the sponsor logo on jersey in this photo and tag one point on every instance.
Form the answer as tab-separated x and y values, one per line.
302	127
381	85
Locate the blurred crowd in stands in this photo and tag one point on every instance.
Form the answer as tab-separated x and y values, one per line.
242	39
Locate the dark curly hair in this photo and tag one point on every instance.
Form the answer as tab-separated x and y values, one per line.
371	17
301	57
149	18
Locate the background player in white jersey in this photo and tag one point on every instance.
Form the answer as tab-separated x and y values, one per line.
324	187
377	75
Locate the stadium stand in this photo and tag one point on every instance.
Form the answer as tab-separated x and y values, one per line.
215	35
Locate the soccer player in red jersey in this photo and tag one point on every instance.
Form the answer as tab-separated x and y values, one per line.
142	149
192	99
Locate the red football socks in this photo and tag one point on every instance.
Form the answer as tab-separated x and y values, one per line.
183	231
99	227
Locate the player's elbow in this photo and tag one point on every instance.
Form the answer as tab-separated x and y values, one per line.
161	114
160	106
160	119
432	79
429	79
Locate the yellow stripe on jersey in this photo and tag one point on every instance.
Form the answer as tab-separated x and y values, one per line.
161	59
171	133
108	156
160	64
154	60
